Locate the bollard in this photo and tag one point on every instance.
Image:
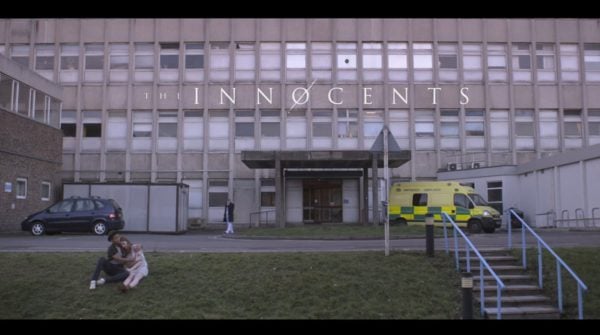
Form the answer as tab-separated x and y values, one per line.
429	234
467	293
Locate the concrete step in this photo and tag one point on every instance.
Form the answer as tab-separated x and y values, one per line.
507	279
491	260
510	290
487	251
517	300
507	270
524	312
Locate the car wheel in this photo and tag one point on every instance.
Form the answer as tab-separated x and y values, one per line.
38	229
474	226
99	228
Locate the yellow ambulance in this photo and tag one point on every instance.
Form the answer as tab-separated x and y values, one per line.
409	203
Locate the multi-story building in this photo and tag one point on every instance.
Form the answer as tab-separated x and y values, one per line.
179	100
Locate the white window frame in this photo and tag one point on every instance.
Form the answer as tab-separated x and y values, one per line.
47	197
21	181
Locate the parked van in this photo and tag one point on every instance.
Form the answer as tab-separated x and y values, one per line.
410	202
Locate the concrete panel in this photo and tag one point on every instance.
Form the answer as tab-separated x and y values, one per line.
243	198
422	30
90	162
321	30
192	29
270	30
545	193
67	30
92	30
117	30
567	30
116	97
115	162
570	188
20	31
91	97
303	100
143	30
275	96
166	161
351	96
75	190
214	96
350	203
548	96
293	200
476	96
69	97
471	30
163	206
345	29
394	101
590	31
45	31
425	164
593	96
592	196
499	96
295	29
526	202
168	96
396	29
376	96
446	30
423	97
524	157
167	30
520	30
3	30
571	96
523	96
218	30
544	30
192	96
218	161
244	30
142	97
192	162
133	199
68	162
319	96
370	29
141	162
496	30
246	95
240	169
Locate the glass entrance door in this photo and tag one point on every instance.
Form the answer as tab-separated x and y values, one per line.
322	201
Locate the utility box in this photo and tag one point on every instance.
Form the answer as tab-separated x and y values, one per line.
156	208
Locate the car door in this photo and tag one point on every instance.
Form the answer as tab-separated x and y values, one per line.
83	214
58	216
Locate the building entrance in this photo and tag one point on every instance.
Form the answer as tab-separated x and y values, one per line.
322	201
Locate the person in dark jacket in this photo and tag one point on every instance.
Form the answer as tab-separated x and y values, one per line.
112	265
228	216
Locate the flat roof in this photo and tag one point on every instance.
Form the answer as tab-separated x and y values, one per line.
328	159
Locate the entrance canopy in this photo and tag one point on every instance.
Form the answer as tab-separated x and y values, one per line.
326	159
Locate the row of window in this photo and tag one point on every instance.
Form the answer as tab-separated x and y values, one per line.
396	58
21	189
547	125
20	98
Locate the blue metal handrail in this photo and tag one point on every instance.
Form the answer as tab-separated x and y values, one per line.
559	262
482	263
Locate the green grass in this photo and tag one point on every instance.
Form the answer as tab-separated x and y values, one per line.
586	264
334	231
366	285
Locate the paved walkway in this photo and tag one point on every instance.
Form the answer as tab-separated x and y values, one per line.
215	242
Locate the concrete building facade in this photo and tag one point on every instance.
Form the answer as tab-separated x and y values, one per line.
30	143
178	100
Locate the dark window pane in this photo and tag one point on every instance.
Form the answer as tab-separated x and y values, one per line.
169	61
68	129
92	130
194	61
420	199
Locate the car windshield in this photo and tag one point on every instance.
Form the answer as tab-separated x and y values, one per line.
478	200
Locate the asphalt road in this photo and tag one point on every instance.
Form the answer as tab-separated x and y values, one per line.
217	243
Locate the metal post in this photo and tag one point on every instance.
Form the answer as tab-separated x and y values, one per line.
579	302
445	233
429	234
467	293
386	176
540	266
524	247
509	223
559	284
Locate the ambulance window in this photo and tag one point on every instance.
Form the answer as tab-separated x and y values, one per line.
461	200
420	199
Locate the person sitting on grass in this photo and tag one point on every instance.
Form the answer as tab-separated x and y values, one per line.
112	265
136	265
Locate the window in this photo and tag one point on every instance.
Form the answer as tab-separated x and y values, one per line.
68	123
194	61
322	128
346	61
94	62
372	62
496	62
399	127
419	199
321	61
448	62
521	61
245	61
524	129
45	190
573	124
244	129
495	194
397	61
218	129
217	193
423	61
20	54
591	58
144	62
6	92
169	62
193	130
449	129
21	188
296	129
373	123
461	200
499	130
116	130
546	70
594	124
141	130
548	129
295	61
119	62
347	123
424	129
267	192
92	124
569	62
472	63
167	131
270	123
69	63
44	58
219	61
270	61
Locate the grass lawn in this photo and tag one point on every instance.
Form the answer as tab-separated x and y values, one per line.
334	231
585	262
365	285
